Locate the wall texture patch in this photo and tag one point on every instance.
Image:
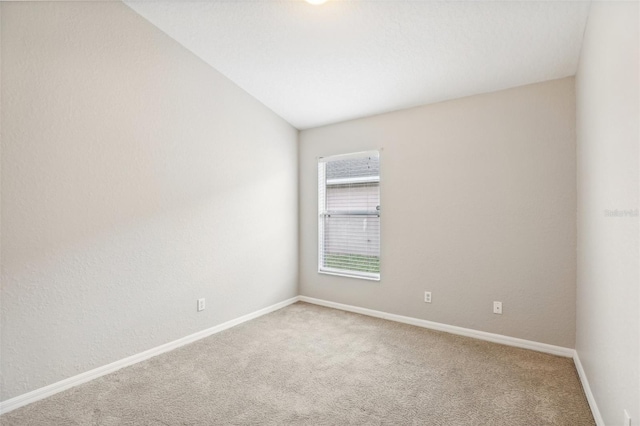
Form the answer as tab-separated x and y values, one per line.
135	180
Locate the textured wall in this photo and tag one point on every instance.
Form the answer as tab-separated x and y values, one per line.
608	135
135	179
478	204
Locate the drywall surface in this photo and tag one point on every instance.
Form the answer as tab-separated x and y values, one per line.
135	180
608	135
478	204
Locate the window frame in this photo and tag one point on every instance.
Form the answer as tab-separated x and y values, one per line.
321	213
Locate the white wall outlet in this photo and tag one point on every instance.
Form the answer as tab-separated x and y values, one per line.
497	308
200	304
427	297
627	419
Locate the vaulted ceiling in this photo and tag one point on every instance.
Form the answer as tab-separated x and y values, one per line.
315	65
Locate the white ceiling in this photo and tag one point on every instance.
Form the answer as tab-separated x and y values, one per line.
315	65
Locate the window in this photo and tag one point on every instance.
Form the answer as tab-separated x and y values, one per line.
349	215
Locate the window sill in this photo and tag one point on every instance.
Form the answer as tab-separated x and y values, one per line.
339	273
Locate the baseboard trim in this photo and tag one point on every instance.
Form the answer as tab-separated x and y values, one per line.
52	389
46	391
587	390
482	335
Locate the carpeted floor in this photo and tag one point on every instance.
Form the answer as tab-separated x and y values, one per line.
306	364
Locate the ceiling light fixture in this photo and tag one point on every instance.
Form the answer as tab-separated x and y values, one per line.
315	2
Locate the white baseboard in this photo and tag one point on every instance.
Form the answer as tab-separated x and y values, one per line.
482	335
587	390
46	391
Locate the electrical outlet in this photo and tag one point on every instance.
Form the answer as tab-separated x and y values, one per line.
427	297
627	419
497	308
200	305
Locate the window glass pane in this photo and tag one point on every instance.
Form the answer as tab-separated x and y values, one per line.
353	167
359	197
349	215
352	243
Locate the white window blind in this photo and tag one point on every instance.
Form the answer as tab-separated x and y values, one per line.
349	215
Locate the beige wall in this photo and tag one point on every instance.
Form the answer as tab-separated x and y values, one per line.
608	135
135	179
478	204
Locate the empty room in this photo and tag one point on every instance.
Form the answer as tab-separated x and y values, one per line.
320	212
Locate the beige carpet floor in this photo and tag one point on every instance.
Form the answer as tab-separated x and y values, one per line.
306	364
